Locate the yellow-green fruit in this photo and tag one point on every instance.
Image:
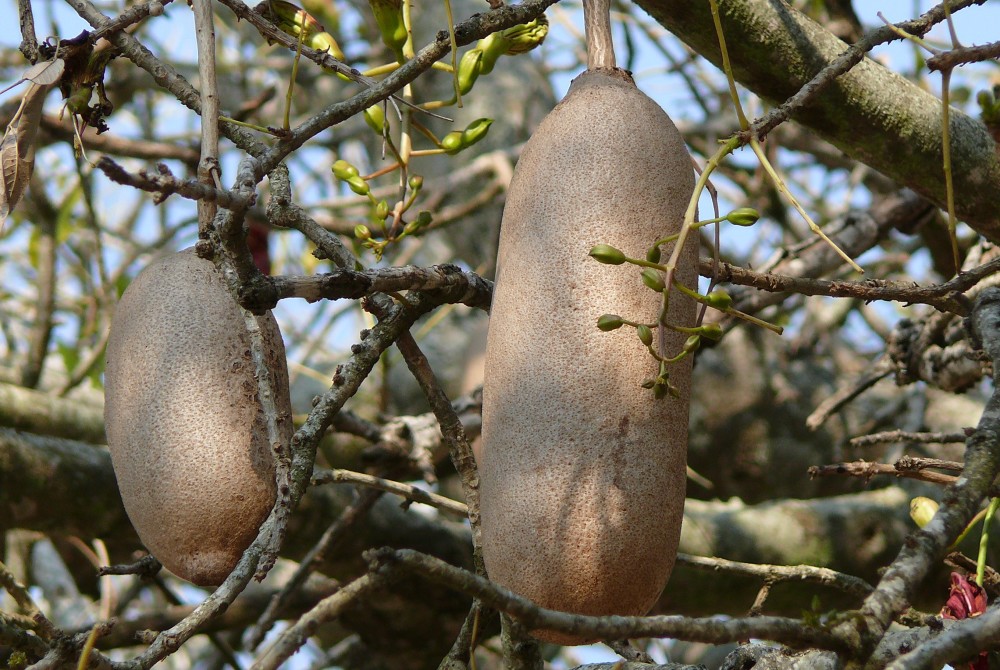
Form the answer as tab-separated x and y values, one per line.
582	471
185	425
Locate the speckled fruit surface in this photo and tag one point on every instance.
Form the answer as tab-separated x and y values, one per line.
582	472
185	427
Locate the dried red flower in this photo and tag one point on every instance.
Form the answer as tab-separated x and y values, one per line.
966	600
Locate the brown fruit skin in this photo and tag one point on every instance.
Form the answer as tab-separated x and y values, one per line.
582	472
185	428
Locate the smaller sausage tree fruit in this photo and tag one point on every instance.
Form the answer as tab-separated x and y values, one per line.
185	424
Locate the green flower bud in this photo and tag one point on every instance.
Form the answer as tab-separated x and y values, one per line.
362	232
415	182
358	185
297	22
653	255
78	101
475	131
468	69
411	228
323	41
452	143
375	118
604	253
711	331
645	334
524	37
389	18
692	343
744	216
922	510
381	210
424	218
719	300
344	170
652	279
609	322
515	40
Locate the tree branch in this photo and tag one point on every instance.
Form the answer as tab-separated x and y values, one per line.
530	615
353	284
776	51
43	414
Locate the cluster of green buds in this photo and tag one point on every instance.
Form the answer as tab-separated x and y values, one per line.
482	58
380	213
300	24
660	384
652	276
460	140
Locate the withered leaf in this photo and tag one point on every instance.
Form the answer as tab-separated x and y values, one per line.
45	73
17	151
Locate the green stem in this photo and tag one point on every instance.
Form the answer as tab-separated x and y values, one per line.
744	123
780	183
713	163
972	524
454	51
694	295
286	124
984	540
946	153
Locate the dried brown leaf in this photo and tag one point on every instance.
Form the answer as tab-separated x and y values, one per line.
17	151
46	73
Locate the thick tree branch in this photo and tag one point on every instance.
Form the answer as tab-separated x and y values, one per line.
44	414
354	284
872	114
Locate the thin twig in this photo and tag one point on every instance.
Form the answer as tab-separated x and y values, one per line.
407	491
711	629
907	436
452	432
29	41
353	284
164	184
963	55
944	297
329	608
963	639
20	594
867	470
334	534
781	573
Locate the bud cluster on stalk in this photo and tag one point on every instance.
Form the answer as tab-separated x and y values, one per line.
387	222
390	223
653	276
